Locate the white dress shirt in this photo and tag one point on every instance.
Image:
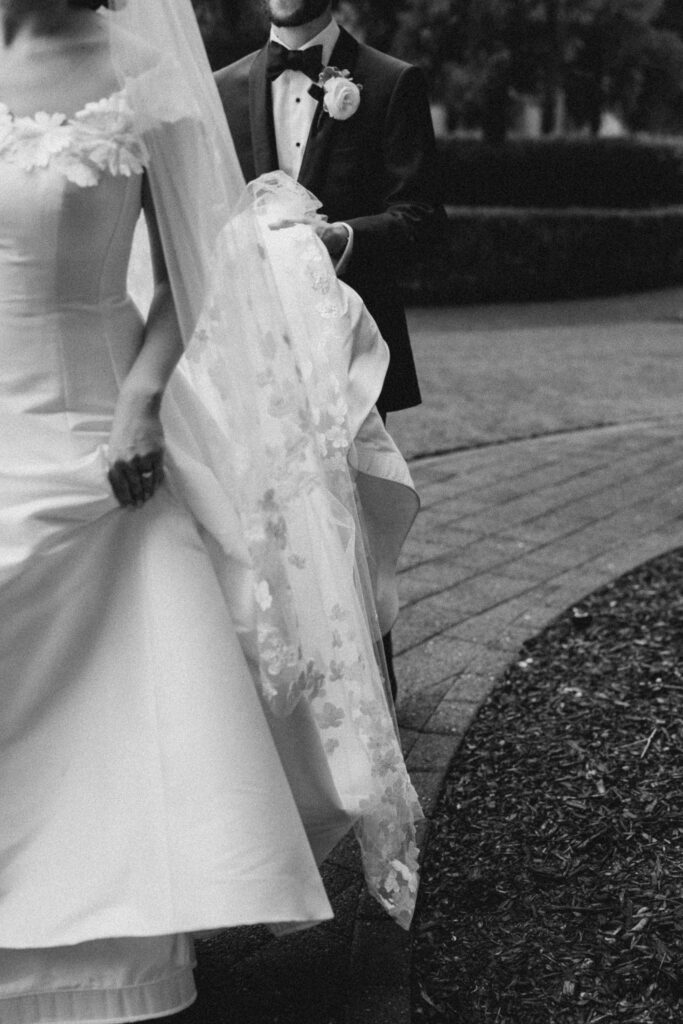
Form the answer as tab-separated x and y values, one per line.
294	110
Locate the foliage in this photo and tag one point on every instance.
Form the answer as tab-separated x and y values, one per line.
647	79
671	16
230	28
602	54
620	54
527	218
622	173
373	20
512	254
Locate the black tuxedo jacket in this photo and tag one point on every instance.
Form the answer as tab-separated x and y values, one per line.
375	171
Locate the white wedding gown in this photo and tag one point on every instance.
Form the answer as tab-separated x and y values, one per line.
142	795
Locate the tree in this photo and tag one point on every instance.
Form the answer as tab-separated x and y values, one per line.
572	47
671	17
592	53
374	20
648	83
230	28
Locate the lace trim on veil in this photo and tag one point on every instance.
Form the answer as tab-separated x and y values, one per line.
309	636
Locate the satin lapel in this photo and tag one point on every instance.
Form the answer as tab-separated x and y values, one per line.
261	117
324	127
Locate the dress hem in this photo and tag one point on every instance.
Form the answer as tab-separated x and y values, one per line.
147	1001
187	926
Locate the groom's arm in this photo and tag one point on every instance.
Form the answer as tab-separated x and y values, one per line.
411	212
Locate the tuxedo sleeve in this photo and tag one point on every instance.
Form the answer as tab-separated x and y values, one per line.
412	212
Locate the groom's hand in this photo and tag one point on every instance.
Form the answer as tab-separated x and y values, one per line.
335	238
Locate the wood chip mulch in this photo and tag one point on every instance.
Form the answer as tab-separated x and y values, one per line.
553	884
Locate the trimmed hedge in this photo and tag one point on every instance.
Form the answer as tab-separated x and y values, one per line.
513	254
624	173
538	219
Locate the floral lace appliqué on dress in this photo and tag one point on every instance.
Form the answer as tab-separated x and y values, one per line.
100	139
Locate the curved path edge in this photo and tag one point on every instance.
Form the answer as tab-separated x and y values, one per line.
509	537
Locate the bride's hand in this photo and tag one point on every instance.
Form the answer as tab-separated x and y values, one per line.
136	449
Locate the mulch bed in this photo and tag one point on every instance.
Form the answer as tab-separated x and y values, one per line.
553	884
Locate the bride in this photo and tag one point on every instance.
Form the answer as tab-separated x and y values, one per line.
192	712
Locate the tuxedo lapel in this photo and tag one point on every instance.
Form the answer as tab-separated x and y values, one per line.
263	142
324	127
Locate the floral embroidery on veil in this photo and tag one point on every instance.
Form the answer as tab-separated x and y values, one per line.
99	139
309	634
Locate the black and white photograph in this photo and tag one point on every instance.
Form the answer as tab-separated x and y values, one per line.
341	511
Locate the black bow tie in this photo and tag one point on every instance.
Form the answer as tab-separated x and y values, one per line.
281	59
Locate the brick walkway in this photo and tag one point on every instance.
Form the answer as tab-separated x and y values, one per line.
509	537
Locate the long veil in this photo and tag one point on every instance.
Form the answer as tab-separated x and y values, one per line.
266	418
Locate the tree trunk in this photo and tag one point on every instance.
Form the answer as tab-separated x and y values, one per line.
554	67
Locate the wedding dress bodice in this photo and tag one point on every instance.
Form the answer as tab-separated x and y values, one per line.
66	242
70	194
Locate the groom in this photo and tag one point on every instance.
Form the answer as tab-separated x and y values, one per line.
374	171
372	165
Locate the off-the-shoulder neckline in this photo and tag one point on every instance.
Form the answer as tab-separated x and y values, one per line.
63	119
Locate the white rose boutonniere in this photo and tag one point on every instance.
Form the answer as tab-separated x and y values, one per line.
341	95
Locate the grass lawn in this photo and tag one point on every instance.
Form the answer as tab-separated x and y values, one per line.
495	373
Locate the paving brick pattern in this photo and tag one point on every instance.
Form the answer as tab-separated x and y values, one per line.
509	536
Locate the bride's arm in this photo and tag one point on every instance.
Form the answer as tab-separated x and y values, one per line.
136	443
